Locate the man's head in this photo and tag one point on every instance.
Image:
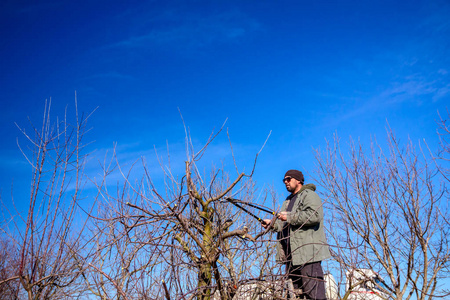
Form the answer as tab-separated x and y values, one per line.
293	179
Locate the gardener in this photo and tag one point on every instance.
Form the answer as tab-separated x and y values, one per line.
302	243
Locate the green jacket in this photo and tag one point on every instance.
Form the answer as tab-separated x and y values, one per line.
307	236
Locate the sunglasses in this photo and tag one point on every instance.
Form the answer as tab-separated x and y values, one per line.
287	179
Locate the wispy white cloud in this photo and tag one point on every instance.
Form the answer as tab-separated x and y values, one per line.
414	88
190	30
441	93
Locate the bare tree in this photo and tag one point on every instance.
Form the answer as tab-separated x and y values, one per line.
49	236
442	156
185	242
9	289
388	212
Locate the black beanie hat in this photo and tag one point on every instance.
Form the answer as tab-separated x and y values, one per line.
295	174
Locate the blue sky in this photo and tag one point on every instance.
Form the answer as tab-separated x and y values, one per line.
301	70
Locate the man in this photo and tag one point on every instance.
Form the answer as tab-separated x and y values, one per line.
302	243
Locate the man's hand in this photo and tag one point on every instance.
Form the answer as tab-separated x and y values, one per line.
266	223
282	216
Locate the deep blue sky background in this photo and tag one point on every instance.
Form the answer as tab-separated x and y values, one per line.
299	69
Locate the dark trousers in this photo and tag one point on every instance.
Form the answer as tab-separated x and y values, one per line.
309	278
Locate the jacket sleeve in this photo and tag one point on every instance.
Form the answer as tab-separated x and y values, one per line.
307	212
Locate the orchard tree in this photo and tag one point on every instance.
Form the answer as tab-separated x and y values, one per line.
442	157
387	208
179	240
45	241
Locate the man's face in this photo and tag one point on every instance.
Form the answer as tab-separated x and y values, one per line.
292	184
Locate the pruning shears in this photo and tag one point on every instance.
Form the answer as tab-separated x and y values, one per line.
237	202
